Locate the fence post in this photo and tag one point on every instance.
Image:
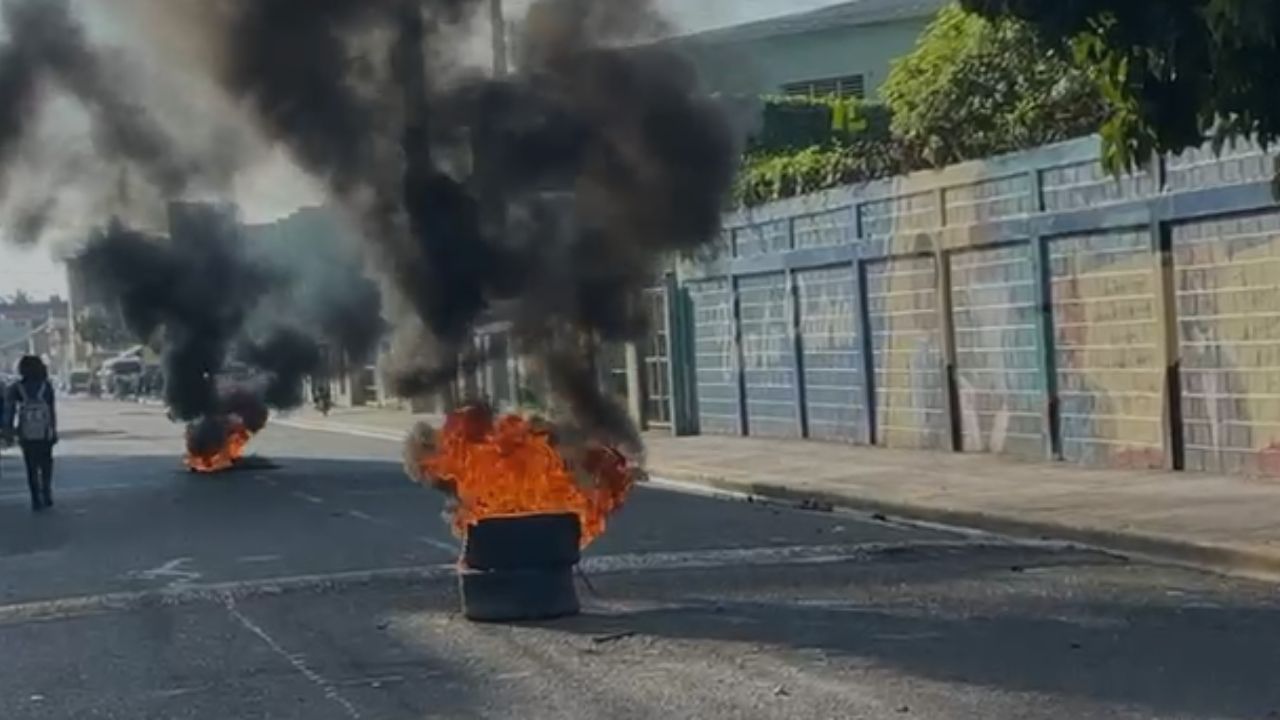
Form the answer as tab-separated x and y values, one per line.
1048	347
947	332
680	368
1170	350
797	355
740	365
868	350
1048	356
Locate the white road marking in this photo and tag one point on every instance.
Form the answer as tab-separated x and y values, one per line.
179	692
171	569
799	555
255	559
298	662
449	547
308	497
689	488
452	548
380	680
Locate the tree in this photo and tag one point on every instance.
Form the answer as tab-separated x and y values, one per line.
974	87
100	329
1175	73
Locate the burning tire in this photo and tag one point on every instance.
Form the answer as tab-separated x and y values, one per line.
528	542
520	568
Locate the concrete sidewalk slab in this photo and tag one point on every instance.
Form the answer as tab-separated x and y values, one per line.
1225	523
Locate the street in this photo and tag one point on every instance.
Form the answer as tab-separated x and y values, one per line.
321	588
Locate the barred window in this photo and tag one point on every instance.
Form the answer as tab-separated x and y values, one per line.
847	86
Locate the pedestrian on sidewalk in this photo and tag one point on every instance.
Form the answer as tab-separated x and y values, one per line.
29	414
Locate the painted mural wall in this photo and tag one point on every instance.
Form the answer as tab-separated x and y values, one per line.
1028	305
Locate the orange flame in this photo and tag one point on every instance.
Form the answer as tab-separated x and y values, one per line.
225	457
510	467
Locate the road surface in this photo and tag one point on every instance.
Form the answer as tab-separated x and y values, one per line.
321	589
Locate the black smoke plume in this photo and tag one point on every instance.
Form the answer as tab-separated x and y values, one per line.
286	358
48	52
193	288
579	173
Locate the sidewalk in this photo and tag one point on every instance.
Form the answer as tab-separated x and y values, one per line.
1227	523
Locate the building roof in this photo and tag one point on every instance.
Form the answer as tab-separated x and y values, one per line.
851	13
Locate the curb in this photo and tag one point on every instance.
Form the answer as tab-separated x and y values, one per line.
1220	559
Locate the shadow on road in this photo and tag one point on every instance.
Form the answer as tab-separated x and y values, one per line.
1207	660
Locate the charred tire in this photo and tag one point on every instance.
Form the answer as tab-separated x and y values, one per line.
529	542
517	595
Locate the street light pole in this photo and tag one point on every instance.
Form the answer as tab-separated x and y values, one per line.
497	18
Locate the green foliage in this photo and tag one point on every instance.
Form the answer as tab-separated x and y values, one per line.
1175	73
975	87
773	177
792	124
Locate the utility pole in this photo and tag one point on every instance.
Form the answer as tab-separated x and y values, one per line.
497	18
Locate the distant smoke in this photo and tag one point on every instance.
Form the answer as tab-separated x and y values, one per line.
317	263
30	220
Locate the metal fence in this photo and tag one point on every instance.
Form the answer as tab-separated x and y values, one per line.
1030	305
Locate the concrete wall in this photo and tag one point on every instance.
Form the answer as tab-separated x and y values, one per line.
763	66
1028	305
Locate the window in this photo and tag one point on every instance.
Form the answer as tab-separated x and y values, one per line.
848	86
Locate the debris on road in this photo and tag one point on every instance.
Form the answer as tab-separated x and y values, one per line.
817	505
613	637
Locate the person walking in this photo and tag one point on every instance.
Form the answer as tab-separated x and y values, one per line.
29	414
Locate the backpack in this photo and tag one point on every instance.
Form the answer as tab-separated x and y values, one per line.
35	416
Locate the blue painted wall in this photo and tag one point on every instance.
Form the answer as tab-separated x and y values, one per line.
1028	305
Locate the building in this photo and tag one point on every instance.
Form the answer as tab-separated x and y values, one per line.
844	49
40	328
96	326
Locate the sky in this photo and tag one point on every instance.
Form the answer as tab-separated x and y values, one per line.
278	189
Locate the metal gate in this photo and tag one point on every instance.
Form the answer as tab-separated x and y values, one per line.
657	360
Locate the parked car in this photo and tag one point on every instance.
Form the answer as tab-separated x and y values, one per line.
78	382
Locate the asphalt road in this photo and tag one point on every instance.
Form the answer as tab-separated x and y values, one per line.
321	589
